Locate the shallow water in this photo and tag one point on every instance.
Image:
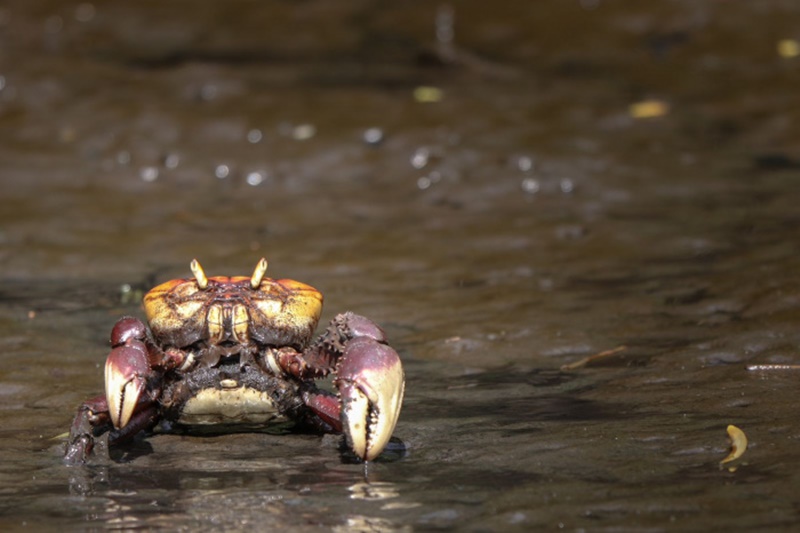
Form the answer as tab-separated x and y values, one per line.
527	219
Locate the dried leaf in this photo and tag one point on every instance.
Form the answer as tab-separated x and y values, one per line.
648	109
426	94
738	444
788	48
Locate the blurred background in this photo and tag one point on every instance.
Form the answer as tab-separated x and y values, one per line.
508	189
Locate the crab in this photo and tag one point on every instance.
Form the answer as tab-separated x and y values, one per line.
236	353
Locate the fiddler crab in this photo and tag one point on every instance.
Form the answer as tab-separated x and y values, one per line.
237	352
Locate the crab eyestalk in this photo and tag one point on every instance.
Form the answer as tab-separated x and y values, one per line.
258	273
199	274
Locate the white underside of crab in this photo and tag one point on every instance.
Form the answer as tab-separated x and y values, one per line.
230	406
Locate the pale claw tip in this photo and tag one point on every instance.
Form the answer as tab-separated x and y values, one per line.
355	420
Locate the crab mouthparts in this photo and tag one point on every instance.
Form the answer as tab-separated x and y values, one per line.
228	323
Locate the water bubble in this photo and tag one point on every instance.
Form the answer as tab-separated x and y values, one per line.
420	158
255	178
125	293
149	173
566	185
373	136
172	161
546	284
525	163
123	157
208	92
254	136
222	171
445	18
424	182
435	176
303	132
530	185
84	12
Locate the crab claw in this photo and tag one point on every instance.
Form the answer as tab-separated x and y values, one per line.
370	382
126	371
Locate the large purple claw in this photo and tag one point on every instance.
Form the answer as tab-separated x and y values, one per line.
127	368
371	383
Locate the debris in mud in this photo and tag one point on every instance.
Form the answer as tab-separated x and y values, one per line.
759	368
648	109
427	94
738	447
788	48
586	360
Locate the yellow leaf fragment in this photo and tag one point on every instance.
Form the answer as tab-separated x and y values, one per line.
738	444
648	109
427	94
788	48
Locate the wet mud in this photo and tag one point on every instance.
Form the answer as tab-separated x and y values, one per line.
577	222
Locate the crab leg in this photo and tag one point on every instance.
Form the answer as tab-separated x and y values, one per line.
93	419
123	406
93	413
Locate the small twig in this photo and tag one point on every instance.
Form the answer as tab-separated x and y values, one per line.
758	368
586	360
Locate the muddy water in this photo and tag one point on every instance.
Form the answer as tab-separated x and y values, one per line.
527	217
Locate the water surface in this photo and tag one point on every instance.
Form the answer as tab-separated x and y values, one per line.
528	217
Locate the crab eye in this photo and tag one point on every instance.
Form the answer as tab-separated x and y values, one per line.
258	274
199	275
